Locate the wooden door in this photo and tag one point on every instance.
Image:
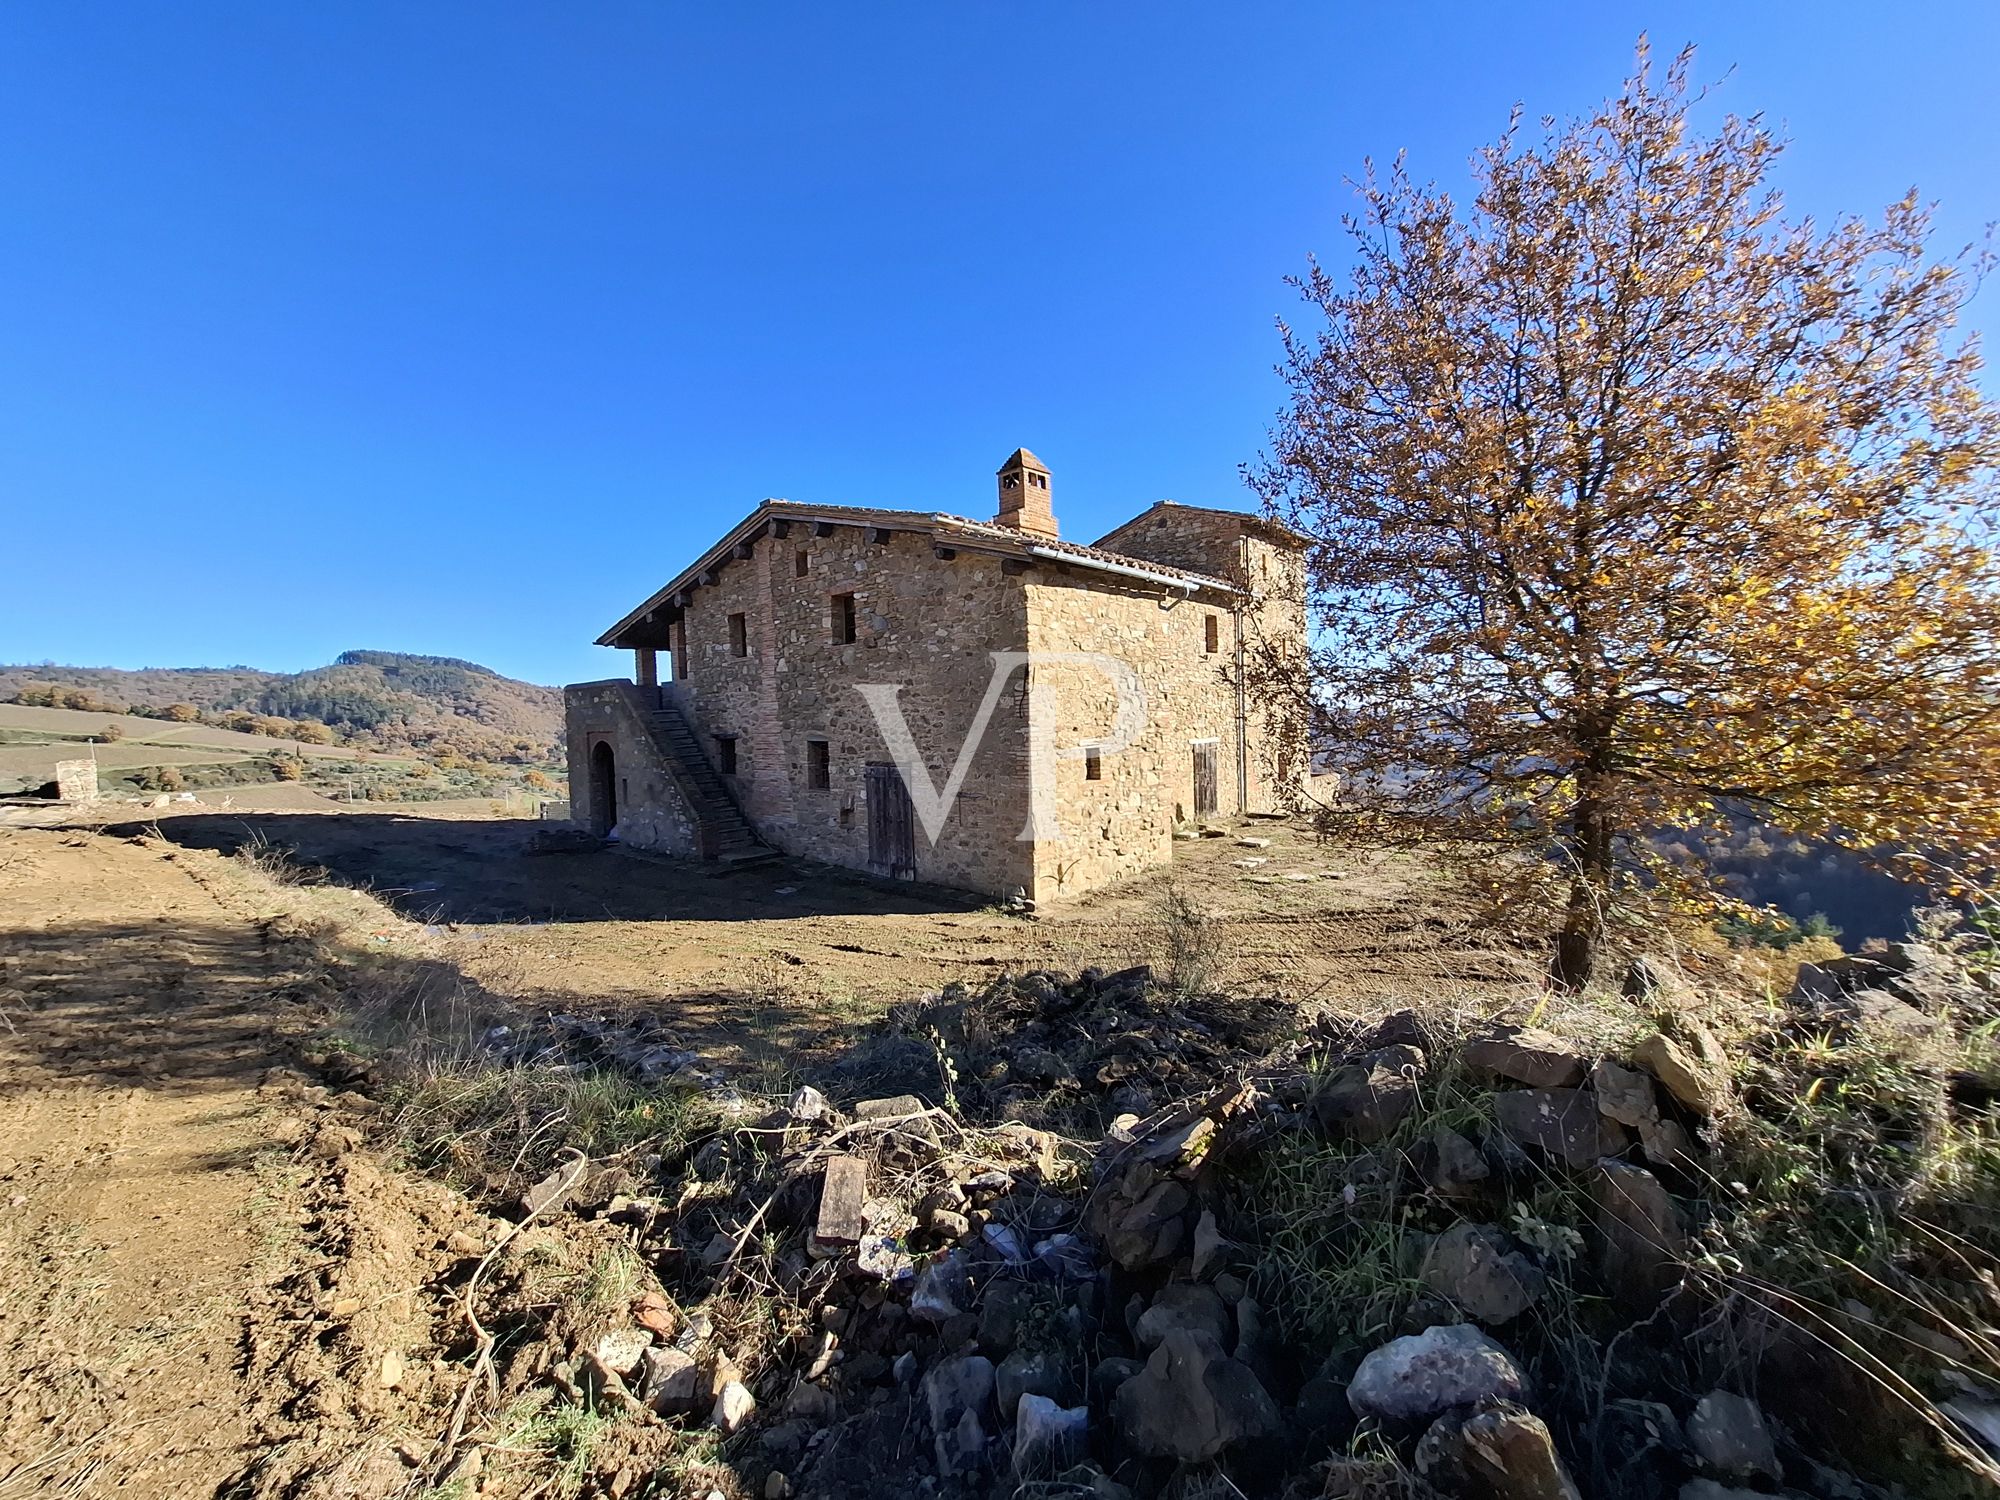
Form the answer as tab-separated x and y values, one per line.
892	823
1204	779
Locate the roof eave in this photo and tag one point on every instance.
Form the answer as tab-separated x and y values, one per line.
940	526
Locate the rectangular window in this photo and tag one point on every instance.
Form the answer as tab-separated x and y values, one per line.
1211	634
843	619
725	754
1093	764
739	635
819	766
801	563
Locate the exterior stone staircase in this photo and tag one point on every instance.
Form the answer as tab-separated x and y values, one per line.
724	831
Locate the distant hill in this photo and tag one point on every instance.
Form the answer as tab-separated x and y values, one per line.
380	700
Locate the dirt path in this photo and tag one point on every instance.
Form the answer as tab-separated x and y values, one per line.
132	1044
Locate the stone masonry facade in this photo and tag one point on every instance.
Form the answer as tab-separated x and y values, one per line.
778	639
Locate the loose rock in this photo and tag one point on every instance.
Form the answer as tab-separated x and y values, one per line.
670	1381
1370	1097
1690	1065
1537	1058
1564	1123
1047	1437
1183	1304
1643	1237
1192	1401
1498	1453
1728	1435
1479	1268
734	1405
1417	1378
942	1289
956	1393
1040	1372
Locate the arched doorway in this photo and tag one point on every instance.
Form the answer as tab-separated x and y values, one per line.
603	789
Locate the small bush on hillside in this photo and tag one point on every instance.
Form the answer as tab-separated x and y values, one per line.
109	734
1774	930
181	713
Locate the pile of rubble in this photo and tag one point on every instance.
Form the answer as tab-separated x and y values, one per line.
1058	1049
979	1309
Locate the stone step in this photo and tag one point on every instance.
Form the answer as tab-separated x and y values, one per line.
714	809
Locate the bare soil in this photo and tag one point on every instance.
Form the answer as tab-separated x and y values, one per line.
774	962
209	1286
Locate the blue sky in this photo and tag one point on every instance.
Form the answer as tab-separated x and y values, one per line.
458	328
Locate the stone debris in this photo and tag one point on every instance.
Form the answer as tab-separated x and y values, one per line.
1056	1299
1420	1377
1048	1438
1728	1436
1690	1065
843	1193
734	1406
1642	1233
1561	1123
956	1392
1183	1305
1192	1401
669	1380
1500	1452
1480	1269
1525	1055
1368	1098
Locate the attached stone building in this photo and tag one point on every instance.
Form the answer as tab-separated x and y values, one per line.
1082	702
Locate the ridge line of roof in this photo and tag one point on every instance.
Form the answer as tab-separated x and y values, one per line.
1009	538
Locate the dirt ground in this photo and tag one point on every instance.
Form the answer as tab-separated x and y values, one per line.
197	1298
775	961
128	1120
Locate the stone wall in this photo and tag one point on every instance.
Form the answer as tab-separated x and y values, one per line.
1182	536
760	664
651	814
1122	822
922	623
76	780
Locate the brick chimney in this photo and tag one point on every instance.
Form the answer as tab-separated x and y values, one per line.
1024	495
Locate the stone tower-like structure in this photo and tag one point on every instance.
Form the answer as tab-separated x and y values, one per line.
1024	495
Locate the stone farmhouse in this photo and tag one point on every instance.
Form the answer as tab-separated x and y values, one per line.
977	704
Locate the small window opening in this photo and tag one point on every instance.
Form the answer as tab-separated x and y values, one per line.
725	754
1038	481
1211	634
739	636
801	563
843	619
1093	764
819	765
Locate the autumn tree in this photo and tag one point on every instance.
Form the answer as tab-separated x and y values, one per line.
180	713
1634	502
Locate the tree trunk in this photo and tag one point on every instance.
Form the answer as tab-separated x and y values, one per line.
1577	944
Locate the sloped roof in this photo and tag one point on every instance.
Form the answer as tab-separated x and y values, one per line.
945	529
1022	457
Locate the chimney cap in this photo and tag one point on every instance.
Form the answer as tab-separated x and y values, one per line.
1022	459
